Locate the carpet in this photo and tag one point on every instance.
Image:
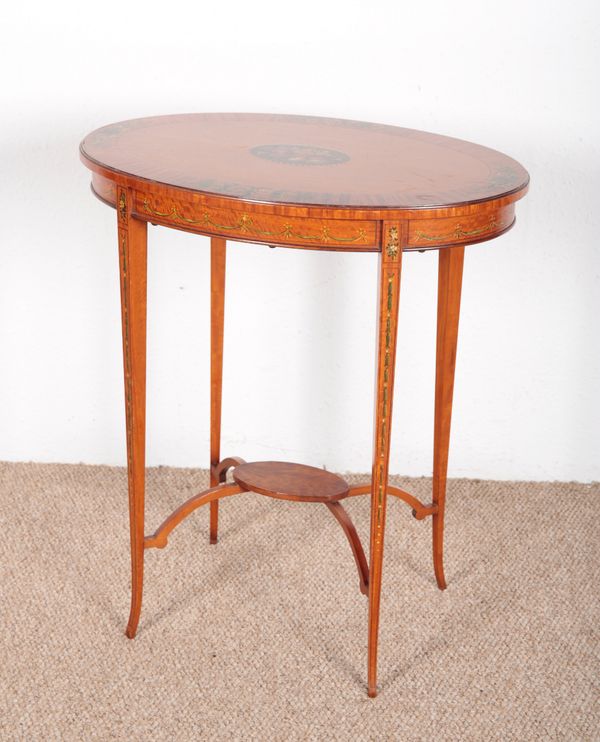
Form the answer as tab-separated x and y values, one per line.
263	637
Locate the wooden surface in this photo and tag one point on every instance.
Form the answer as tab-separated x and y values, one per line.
310	183
342	517
132	237
288	481
450	272
159	538
218	248
304	160
301	181
390	268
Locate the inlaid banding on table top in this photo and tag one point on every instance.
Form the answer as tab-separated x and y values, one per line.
459	229
246	225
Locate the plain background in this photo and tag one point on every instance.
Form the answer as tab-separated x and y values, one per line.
520	76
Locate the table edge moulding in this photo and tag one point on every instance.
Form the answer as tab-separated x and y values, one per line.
143	168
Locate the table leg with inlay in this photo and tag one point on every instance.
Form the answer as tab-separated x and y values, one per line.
390	266
132	235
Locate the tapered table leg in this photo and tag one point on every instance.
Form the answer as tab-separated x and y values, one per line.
217	314
133	252
449	290
389	293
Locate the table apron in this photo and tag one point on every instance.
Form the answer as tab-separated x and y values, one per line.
246	225
459	230
193	214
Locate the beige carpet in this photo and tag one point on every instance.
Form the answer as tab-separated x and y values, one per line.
263	637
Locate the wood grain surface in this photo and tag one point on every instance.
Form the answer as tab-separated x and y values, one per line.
287	481
304	160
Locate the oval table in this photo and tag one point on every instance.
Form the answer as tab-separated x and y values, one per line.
309	183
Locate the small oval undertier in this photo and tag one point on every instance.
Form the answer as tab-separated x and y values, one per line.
287	481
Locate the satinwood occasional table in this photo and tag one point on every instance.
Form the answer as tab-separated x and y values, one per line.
308	183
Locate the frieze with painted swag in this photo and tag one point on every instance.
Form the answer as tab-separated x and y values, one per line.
281	229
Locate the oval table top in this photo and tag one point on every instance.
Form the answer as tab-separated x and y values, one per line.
304	181
304	160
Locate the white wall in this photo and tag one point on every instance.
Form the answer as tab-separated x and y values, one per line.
518	76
